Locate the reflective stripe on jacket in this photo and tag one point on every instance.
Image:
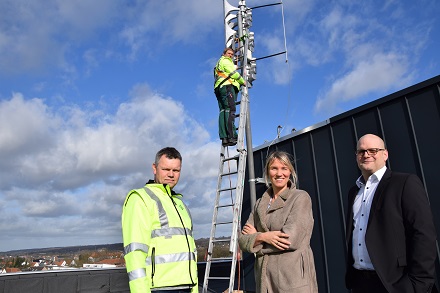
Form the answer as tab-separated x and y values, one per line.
159	247
226	69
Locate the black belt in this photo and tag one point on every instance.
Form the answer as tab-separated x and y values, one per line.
367	274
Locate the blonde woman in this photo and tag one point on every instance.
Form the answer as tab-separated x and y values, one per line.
278	232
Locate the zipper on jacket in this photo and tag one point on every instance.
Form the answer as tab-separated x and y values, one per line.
186	237
153	267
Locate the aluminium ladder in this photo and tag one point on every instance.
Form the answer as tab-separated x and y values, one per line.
227	209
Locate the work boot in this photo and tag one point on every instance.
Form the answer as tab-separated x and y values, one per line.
225	141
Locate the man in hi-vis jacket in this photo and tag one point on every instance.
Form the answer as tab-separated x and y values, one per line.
160	252
227	82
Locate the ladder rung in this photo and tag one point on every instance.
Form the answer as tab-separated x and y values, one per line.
222	240
238	102
219	259
224	223
229	173
227	189
226	205
218	278
230	159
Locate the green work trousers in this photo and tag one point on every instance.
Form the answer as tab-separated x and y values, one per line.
226	98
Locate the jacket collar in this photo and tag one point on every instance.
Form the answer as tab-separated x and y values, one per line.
278	203
226	57
164	187
379	194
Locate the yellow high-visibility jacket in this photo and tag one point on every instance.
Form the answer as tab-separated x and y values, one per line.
159	247
223	70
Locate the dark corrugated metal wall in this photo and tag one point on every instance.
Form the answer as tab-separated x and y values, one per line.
409	122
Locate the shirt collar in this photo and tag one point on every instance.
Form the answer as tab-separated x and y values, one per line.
375	176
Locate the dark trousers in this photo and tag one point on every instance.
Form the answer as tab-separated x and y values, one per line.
226	98
367	282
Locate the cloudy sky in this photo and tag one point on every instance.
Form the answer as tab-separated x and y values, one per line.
90	90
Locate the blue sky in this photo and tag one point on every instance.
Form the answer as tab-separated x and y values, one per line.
90	90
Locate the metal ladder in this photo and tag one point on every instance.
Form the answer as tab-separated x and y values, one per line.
227	209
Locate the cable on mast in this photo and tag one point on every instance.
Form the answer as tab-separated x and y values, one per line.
284	29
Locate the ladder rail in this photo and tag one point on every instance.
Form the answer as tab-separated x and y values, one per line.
214	220
239	174
237	202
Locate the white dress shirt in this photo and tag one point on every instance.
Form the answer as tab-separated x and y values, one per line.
361	214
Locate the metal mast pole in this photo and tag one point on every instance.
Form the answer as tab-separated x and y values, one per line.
245	99
250	158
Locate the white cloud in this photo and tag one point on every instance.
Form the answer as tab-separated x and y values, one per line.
178	21
37	36
24	125
378	57
68	167
54	29
70	170
376	74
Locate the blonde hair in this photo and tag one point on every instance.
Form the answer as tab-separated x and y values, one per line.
284	158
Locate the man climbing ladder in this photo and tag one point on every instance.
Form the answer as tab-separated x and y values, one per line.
226	87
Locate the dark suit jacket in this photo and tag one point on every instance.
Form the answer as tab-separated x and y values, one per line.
400	236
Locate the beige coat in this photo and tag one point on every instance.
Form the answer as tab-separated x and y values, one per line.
291	270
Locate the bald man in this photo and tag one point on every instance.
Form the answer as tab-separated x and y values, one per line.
391	237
